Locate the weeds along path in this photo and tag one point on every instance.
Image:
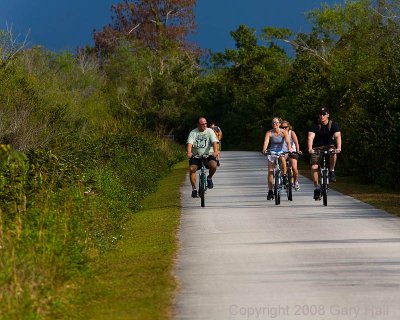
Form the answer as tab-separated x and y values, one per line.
135	280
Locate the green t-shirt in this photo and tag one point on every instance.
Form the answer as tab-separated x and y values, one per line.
202	141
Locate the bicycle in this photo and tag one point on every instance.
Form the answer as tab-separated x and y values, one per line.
202	179
324	172
277	174
289	175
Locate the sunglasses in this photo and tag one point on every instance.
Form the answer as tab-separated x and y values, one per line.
323	114
284	127
275	122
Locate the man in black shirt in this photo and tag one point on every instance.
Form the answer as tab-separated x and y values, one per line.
323	135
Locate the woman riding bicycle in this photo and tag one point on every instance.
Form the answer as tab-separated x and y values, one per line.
294	142
278	137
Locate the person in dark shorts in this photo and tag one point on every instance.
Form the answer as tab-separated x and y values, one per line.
202	141
323	135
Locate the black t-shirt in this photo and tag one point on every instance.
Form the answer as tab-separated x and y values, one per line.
323	136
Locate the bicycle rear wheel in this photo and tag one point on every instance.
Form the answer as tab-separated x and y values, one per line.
289	185
277	193
324	188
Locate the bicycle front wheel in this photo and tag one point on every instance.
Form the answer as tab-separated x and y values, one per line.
277	193
289	185
202	189
324	188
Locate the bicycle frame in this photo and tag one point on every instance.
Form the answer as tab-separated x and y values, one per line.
202	179
324	173
289	174
277	174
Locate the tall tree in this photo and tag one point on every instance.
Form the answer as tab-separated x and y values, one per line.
148	23
251	78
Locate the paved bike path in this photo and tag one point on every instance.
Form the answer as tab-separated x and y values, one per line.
242	257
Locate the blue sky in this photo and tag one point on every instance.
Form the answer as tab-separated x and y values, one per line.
59	25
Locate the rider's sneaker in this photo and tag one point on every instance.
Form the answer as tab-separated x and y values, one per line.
317	194
296	186
270	195
332	176
210	183
194	193
218	163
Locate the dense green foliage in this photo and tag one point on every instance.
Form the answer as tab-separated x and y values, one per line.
55	211
76	160
349	63
76	155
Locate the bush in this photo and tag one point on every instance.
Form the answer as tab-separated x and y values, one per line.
57	211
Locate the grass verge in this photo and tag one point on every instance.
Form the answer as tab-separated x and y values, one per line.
135	280
377	196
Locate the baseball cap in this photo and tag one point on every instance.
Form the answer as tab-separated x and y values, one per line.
323	110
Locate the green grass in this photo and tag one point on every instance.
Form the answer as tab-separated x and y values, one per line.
377	196
135	280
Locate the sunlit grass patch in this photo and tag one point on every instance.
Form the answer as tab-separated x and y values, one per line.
135	280
377	196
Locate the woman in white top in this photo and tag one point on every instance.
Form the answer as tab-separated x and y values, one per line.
294	142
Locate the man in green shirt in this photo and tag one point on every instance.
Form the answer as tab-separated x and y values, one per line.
202	141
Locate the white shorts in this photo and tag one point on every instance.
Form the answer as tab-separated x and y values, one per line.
275	154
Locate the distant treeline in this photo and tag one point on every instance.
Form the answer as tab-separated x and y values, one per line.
349	62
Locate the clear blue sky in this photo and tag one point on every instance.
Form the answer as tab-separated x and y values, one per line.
59	25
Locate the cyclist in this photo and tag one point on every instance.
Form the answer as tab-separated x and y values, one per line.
293	157
202	141
218	133
278	137
323	136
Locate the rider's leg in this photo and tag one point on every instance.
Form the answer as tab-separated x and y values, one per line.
314	161
192	176
294	169
212	166
270	175
332	162
314	175
282	161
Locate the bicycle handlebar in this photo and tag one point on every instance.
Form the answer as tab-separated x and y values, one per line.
319	151
204	156
280	153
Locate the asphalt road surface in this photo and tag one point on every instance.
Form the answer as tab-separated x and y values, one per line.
243	257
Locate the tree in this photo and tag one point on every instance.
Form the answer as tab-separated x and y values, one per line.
250	77
147	23
350	63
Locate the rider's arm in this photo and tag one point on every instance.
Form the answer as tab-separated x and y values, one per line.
189	150
311	136
338	139
287	139
214	141
266	141
295	140
215	146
